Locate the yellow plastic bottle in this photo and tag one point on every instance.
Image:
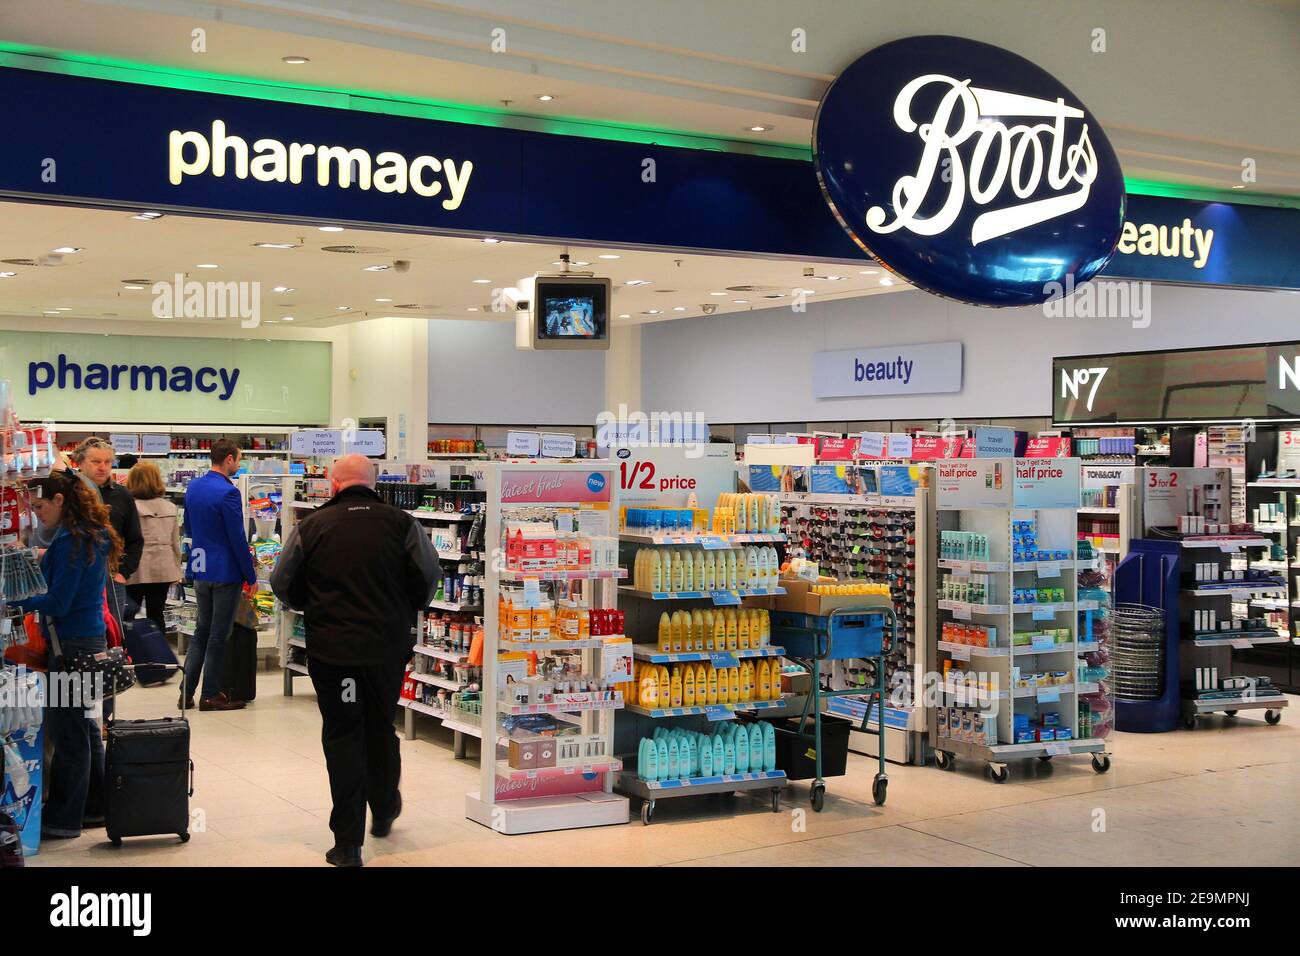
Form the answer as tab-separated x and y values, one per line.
649	694
688	686
724	686
764	680
711	681
742	630
677	632
695	619
719	632
656	566
733	632
734	679
675	688
665	633
701	685
700	558
665	685
746	670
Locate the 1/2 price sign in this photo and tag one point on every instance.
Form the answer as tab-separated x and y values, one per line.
667	476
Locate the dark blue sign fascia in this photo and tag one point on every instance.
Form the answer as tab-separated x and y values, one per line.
109	144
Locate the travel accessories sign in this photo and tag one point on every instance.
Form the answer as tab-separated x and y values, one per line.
968	171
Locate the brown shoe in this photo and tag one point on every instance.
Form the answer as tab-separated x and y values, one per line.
221	702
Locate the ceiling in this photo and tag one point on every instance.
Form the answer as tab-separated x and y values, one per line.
1187	90
439	281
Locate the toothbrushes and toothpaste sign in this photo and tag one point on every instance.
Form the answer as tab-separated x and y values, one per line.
935	367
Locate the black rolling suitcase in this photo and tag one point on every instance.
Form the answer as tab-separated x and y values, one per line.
148	777
240	678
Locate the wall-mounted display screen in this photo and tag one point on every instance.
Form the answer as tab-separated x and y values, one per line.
1259	382
571	312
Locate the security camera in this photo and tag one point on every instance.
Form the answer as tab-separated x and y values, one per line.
708	308
401	265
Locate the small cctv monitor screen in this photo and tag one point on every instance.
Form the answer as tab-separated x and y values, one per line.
571	312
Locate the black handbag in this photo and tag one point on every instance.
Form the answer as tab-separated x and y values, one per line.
113	664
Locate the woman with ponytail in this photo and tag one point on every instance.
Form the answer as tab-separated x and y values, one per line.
83	551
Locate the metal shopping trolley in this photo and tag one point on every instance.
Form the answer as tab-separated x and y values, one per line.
846	633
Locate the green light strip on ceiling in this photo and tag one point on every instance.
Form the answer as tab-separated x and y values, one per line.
27	57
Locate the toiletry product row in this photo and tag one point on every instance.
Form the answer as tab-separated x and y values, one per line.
963	632
701	684
748	513
1039	595
971	589
549	621
676	570
536	546
714	629
676	754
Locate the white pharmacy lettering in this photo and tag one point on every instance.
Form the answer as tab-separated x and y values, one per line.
193	153
74	909
1185	241
1015	153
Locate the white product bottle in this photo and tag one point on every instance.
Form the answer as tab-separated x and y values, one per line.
732	573
656	572
688	571
699	570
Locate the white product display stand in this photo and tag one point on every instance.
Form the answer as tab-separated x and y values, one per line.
986	496
514	801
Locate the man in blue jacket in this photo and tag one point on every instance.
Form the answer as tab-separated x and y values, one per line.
220	564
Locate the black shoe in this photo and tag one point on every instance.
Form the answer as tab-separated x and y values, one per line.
343	856
92	821
185	703
382	826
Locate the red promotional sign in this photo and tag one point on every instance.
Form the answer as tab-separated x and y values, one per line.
1051	447
964	448
838	449
928	448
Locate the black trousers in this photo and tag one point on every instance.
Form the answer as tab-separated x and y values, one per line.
362	752
152	599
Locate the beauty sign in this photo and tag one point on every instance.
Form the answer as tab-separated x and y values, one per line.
1047	483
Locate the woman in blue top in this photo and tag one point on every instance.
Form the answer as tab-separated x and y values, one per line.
83	551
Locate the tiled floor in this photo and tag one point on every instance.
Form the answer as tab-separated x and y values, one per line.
1222	794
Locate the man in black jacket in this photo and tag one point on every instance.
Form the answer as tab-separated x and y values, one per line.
359	570
94	459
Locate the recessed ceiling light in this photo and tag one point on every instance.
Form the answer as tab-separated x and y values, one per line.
207	265
383	300
1238	186
472	309
329	228
608	255
545	97
637	282
148	216
867	272
283	288
833	278
50	312
133	288
740	301
625	316
66	250
482	281
491	239
7	275
275	245
582	262
344	308
295	60
377	268
652	312
62	308
757	128
679	308
717	293
286	318
886	281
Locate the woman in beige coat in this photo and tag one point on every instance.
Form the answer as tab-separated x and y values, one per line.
160	563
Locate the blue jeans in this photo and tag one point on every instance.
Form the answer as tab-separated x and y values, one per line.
207	651
78	752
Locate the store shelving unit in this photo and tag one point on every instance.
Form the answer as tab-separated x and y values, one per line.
911	579
988	497
1281	556
574	794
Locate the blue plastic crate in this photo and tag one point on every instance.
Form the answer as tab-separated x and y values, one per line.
850	635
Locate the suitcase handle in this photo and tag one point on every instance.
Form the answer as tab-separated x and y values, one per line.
191	793
161	667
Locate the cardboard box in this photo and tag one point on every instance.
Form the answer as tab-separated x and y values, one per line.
800	599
